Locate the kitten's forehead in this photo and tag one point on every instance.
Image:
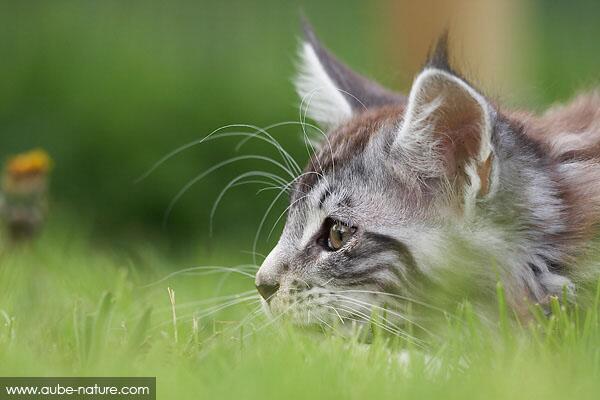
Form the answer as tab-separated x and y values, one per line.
353	179
347	144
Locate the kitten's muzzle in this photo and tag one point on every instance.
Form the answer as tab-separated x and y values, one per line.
269	274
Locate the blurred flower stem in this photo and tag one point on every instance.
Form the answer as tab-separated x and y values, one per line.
24	194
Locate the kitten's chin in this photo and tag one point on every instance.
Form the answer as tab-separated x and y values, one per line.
300	315
311	317
266	309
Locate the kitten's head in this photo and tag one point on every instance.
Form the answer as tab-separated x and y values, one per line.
392	181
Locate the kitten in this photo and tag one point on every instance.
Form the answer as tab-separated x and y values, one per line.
439	187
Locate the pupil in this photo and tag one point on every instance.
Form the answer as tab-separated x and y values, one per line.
339	233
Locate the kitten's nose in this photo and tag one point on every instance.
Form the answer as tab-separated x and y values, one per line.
270	273
267	289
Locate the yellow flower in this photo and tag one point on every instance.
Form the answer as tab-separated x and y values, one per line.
35	162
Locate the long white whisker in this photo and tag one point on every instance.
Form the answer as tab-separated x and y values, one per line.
211	310
232	183
270	207
294	165
289	161
220	271
283	213
394	296
408	299
388	311
267	212
212	300
204	267
247	319
213	133
273	320
325	323
303	113
322	134
336	313
394	330
214	310
211	170
254	253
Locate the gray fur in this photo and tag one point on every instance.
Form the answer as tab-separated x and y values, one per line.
384	172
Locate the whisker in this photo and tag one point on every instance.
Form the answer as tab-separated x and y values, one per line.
336	313
283	213
258	182
397	330
191	316
213	310
254	253
286	186
201	176
270	207
205	267
394	296
210	311
205	273
303	113
408	299
322	134
292	166
302	117
321	321
218	300
262	222
273	320
227	275
251	316
264	218
247	319
231	184
356	301
264	131
226	134
394	329
284	154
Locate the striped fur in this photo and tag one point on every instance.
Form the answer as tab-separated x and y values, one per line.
442	186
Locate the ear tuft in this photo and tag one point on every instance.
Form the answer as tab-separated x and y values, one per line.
330	91
439	56
321	100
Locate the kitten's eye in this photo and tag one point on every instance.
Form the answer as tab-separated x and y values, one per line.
339	235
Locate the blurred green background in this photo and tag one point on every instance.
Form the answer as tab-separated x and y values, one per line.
109	87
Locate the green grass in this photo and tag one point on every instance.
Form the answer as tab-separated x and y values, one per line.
68	307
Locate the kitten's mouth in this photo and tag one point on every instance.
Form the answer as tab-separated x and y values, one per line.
318	307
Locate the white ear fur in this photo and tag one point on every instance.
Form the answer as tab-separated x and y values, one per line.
418	107
433	93
321	100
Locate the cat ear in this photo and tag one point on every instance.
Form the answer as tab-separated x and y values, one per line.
447	128
330	91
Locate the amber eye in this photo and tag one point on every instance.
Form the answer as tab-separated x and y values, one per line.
339	235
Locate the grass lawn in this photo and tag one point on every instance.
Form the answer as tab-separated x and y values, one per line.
70	308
